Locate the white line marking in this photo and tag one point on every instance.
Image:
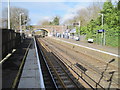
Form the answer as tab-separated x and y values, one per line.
40	71
9	54
90	48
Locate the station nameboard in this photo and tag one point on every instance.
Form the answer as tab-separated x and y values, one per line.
101	30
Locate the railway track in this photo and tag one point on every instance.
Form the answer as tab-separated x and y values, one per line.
55	73
100	73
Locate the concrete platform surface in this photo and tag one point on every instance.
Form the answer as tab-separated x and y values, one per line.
30	77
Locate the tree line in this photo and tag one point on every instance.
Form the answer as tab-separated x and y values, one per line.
91	22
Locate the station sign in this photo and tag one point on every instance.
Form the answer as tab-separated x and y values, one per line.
101	30
75	24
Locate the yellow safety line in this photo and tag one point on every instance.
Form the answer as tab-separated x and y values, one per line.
20	68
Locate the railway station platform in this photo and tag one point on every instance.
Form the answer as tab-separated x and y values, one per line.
104	48
31	75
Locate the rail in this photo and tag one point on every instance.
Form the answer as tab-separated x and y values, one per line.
61	67
47	66
70	66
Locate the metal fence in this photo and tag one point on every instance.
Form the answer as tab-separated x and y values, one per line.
10	40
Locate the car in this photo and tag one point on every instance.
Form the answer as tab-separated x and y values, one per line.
29	35
77	38
90	40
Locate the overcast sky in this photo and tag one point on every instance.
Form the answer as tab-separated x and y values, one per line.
46	9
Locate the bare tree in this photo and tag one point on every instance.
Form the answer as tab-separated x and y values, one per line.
85	15
94	9
15	17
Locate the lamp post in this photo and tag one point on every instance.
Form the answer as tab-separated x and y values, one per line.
8	14
20	22
102	27
104	31
79	28
20	25
102	19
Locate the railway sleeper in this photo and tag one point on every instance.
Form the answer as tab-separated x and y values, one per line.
62	75
67	80
59	86
70	86
64	78
58	83
62	72
67	83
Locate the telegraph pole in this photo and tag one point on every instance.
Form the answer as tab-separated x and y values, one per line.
79	28
8	14
20	26
20	22
104	31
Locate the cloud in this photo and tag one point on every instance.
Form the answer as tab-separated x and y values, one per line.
37	18
71	13
34	18
47	18
47	11
41	10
